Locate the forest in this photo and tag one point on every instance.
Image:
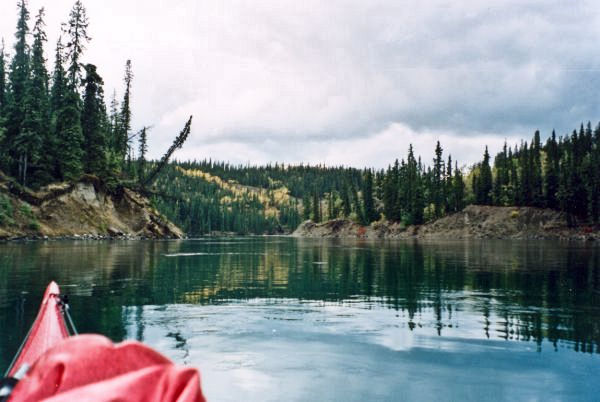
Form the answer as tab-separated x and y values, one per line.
55	126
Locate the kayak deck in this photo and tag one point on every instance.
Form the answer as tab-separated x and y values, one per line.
48	329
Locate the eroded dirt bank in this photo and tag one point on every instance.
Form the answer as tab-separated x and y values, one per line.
86	209
475	221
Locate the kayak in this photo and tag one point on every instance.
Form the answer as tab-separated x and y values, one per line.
48	329
55	364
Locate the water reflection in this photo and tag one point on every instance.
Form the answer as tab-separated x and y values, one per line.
525	291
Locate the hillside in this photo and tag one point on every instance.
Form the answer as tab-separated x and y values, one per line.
203	203
85	209
475	221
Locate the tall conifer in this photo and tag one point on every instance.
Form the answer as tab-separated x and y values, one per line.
92	123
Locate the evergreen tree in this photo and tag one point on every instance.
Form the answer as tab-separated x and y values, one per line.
437	188
92	123
449	194
551	172
124	119
2	79
306	207
371	214
484	186
36	127
76	30
537	192
143	149
458	189
346	205
316	204
58	93
13	144
70	136
114	121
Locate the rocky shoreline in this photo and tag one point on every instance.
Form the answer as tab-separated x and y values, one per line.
474	222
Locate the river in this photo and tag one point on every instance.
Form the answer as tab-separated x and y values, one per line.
276	318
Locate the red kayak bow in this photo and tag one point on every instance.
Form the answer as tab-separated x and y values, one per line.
91	367
48	330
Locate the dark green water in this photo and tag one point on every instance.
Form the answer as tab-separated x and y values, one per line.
286	319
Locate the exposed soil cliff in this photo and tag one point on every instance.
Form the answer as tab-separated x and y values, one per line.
475	221
84	209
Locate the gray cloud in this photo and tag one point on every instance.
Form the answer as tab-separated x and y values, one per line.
293	81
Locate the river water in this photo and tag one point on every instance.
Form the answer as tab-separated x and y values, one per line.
270	319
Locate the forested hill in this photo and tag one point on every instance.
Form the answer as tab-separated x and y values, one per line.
562	173
205	197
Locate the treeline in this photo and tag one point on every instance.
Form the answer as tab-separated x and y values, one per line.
563	174
298	179
56	126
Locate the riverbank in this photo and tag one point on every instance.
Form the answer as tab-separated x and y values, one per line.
474	222
86	209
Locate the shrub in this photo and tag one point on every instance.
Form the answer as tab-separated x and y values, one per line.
25	210
34	225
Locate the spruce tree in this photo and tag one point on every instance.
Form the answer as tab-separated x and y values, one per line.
58	93
438	183
316	204
306	207
346	205
458	190
143	149
124	119
551	172
70	136
36	127
92	123
371	214
448	201
18	77
2	79
484	187
537	192
76	31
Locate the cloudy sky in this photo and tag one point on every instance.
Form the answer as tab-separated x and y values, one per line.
343	82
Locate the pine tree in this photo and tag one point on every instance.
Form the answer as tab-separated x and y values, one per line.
70	136
92	123
125	115
551	172
76	30
306	207
16	108
58	92
36	130
371	214
537	192
438	183
484	187
143	149
316	204
458	189
448	199
2	79
346	205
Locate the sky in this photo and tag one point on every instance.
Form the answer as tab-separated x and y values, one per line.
342	82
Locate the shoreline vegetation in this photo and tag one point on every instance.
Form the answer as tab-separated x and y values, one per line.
57	136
